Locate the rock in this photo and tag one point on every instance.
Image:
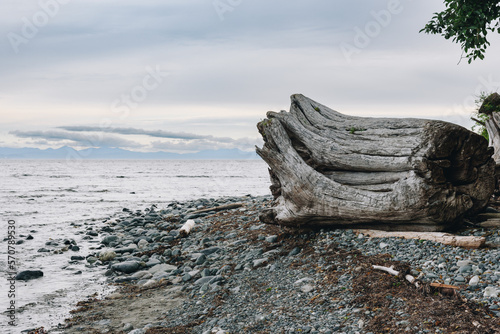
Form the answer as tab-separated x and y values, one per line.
109	239
29	237
260	262
203	280
152	262
474	281
75	248
126	267
129	249
200	260
77	258
491	291
307	288
462	263
294	251
107	256
142	243
162	268
211	250
127	327
43	250
272	238
142	275
92	259
465	269
303	280
28	275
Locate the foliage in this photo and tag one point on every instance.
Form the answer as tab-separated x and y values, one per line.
480	118
467	22
352	129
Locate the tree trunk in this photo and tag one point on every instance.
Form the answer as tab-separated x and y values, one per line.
397	174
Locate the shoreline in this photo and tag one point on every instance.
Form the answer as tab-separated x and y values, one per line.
234	274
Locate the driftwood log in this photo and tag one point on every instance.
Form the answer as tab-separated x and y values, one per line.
466	241
491	108
327	168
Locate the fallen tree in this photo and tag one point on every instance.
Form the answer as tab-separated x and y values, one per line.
327	168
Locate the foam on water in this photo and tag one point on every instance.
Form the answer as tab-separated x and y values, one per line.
47	198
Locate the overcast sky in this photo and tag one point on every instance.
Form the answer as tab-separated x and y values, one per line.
188	75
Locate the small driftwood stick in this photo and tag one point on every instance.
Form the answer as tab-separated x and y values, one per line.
490	223
219	208
186	228
444	286
444	238
391	271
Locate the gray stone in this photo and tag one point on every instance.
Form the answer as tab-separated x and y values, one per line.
152	262
142	243
126	267
107	256
200	260
129	249
211	250
474	280
28	275
465	269
491	291
127	327
260	262
272	238
203	280
137	331
92	259
162	268
109	239
294	251
307	288
303	280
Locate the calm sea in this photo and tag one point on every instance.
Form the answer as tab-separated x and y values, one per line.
45	197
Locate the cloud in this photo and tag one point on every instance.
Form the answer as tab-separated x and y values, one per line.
242	142
87	140
191	146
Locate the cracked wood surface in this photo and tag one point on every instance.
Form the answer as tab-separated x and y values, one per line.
327	168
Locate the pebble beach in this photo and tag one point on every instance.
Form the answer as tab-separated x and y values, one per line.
233	274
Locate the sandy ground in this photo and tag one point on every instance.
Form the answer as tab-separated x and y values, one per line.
137	306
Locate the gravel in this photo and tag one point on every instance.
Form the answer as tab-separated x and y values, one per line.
238	275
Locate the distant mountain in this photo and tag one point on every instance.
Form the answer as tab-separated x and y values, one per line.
66	152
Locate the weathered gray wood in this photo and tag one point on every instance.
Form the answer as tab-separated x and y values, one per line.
219	208
332	169
466	241
491	107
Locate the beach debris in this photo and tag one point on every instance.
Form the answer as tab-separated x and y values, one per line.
327	168
186	228
471	242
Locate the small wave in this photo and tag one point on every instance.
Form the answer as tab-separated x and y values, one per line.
210	176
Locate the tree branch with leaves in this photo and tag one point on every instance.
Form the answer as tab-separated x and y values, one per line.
467	22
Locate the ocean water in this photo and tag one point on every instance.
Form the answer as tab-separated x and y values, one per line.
46	198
